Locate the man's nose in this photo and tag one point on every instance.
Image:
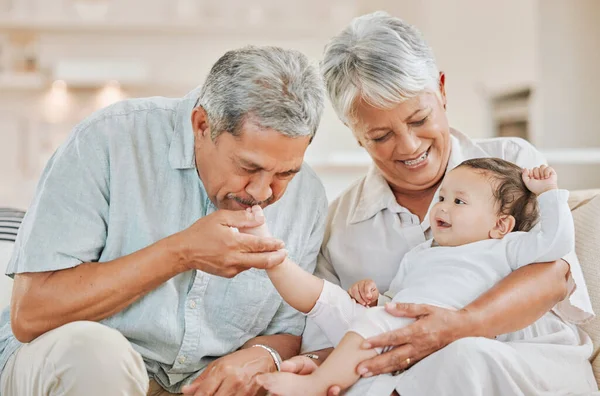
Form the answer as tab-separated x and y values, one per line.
260	188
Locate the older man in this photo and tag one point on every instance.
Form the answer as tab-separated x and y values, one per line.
128	271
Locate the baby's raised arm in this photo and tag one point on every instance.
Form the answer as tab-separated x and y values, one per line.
556	234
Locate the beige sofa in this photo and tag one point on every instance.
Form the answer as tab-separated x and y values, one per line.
586	213
585	205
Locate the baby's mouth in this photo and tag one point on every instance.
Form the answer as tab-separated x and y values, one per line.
443	224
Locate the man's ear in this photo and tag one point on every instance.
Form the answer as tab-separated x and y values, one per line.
200	122
504	225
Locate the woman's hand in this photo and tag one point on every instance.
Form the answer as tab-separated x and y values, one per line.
433	329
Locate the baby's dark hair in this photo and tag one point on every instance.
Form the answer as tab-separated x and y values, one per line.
513	197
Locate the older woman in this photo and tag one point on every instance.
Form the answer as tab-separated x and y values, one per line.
384	84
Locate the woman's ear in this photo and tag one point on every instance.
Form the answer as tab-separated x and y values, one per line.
504	225
442	88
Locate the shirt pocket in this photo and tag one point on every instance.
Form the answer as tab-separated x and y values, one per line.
249	302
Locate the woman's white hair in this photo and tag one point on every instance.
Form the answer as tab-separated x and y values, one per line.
379	59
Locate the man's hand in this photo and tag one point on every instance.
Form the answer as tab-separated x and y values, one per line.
234	374
433	329
212	244
365	292
541	179
262	230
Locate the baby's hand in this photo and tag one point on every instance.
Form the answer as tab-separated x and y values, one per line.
541	179
262	230
365	292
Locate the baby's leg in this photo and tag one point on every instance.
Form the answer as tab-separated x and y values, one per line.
340	366
339	369
334	311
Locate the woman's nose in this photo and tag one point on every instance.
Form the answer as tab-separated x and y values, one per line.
408	144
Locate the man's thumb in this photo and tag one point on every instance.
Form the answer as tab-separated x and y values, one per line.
241	219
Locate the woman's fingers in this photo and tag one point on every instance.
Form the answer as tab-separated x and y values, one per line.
394	360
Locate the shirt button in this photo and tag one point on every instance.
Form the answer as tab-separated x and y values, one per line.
181	359
192	304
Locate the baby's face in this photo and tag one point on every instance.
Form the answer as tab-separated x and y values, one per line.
466	211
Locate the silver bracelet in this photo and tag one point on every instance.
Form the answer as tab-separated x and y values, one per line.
274	354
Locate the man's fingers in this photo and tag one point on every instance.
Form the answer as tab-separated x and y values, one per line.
208	386
193	387
190	389
301	365
260	260
256	244
388	362
240	218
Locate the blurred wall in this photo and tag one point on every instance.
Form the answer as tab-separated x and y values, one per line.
484	47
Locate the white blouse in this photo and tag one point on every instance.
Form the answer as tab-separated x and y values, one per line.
368	232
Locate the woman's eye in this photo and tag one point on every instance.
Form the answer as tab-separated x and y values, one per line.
459	202
420	122
382	138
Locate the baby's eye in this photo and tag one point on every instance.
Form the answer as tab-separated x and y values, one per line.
441	199
459	201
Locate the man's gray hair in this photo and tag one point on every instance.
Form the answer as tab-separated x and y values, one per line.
379	59
269	86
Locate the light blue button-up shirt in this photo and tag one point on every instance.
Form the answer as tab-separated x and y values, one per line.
126	178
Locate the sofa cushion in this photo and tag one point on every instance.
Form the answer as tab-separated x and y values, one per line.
586	215
10	221
6	249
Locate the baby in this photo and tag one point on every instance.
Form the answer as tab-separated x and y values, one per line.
482	230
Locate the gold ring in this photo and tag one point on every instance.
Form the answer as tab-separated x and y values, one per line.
407	362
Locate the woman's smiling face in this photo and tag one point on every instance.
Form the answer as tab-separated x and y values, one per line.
409	143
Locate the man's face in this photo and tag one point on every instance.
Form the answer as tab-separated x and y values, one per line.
253	168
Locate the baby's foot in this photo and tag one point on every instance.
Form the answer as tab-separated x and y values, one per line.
262	230
288	384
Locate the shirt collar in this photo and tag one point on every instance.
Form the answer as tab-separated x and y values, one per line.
181	151
376	194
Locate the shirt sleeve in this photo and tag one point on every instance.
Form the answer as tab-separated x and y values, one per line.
66	223
577	307
287	320
555	237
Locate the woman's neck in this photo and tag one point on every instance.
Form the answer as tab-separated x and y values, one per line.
417	202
